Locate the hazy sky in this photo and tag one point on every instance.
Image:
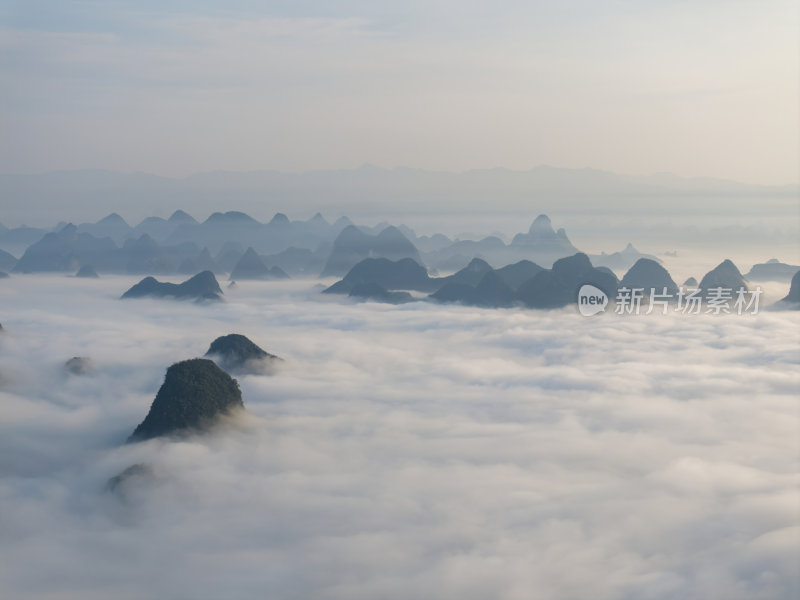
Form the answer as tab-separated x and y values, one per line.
697	88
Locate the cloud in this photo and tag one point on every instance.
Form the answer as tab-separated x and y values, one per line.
402	452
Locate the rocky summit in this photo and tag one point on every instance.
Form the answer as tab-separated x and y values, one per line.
195	393
235	352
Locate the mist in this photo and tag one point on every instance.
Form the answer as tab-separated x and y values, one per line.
402	451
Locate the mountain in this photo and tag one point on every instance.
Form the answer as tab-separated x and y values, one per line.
543	239
250	266
622	260
265	238
18	239
229	255
66	250
195	393
376	191
318	220
369	290
235	352
7	261
156	227
541	244
372	275
79	365
112	226
128	479
772	270
232	217
648	275
180	217
514	275
691	282
279	220
491	291
403	274
469	275
201	262
726	276
87	271
202	286
145	255
559	286
794	291
298	262
353	245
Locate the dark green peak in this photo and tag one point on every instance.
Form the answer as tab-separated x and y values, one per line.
195	393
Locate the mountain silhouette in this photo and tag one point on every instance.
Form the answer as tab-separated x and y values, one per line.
559	286
7	261
514	275
87	271
202	262
794	291
491	291
250	266
353	245
369	290
647	275
772	270
195	393
726	276
622	260
235	352
403	274
543	239
202	286
79	365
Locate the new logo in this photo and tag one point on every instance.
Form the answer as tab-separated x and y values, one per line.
591	300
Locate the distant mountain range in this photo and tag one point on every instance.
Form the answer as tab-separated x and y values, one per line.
236	243
239	245
526	283
370	190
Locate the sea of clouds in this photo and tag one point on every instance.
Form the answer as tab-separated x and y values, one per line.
414	451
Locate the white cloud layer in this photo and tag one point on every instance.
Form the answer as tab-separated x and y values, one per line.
419	451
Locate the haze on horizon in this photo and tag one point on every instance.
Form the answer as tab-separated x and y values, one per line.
699	89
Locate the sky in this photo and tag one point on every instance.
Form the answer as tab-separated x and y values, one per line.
401	452
173	88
